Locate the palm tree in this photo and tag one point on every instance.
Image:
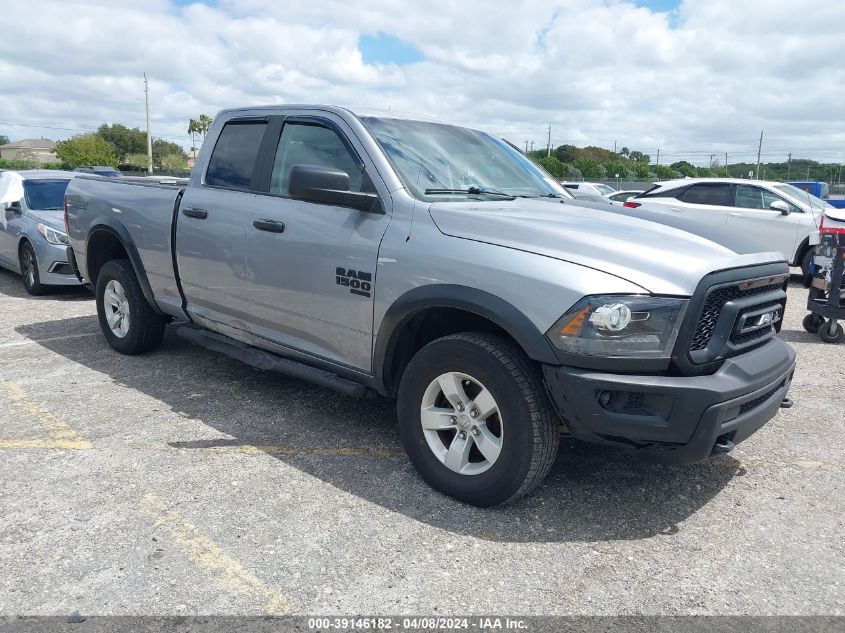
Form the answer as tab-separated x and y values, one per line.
204	124
193	130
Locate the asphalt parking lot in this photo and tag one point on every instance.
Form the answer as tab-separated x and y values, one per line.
182	482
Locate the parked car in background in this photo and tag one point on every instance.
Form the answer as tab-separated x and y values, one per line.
622	196
820	190
99	170
745	215
33	241
438	265
597	188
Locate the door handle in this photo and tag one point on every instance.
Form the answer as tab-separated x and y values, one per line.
271	226
199	214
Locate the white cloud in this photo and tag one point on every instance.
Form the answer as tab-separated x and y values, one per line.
708	78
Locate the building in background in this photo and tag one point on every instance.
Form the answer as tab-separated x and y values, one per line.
39	150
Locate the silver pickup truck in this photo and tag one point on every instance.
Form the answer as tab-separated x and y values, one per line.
376	254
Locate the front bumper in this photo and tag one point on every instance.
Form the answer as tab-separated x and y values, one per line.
675	419
53	266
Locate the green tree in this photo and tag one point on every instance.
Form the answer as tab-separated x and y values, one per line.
614	167
571	172
193	130
664	172
625	151
204	124
638	157
138	161
4	140
552	165
640	170
566	153
589	167
124	140
162	148
86	149
684	168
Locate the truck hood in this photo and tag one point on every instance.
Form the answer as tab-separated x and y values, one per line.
53	219
660	259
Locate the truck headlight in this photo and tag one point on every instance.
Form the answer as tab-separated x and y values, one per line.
617	325
52	235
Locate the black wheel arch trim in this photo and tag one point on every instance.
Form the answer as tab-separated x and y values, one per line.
109	225
495	309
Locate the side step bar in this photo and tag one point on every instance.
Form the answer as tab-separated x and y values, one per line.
268	361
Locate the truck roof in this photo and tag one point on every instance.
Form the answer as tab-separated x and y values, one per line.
356	111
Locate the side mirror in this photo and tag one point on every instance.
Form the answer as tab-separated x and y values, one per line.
327	185
14	207
780	205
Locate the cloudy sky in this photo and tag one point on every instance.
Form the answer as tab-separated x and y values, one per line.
691	77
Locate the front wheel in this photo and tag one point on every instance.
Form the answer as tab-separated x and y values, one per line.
29	271
830	333
130	325
475	419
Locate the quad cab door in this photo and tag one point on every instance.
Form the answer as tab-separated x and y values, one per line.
769	228
212	227
311	266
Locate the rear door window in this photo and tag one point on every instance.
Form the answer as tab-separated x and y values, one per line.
710	193
232	162
45	195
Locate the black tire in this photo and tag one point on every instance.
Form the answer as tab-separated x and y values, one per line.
806	260
146	327
29	270
828	334
529	425
812	323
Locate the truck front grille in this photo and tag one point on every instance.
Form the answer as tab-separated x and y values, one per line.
715	302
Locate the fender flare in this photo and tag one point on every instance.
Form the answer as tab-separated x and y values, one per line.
109	225
495	309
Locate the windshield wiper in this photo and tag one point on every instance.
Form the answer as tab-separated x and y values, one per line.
473	191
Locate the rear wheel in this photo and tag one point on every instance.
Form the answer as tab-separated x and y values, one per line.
812	323
475	419
29	271
130	325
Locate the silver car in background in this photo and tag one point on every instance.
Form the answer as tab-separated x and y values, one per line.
33	241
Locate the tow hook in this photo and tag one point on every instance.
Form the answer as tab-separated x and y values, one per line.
722	446
787	403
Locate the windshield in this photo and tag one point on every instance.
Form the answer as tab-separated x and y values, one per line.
802	196
44	195
605	189
437	161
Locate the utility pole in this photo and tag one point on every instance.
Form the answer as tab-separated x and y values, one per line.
726	164
526	147
549	145
614	147
711	163
149	138
759	149
532	146
788	164
657	164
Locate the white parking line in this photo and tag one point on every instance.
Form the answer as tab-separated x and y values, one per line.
46	340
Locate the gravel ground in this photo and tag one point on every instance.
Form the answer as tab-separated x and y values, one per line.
182	482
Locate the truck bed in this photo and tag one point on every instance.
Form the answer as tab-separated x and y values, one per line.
142	207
